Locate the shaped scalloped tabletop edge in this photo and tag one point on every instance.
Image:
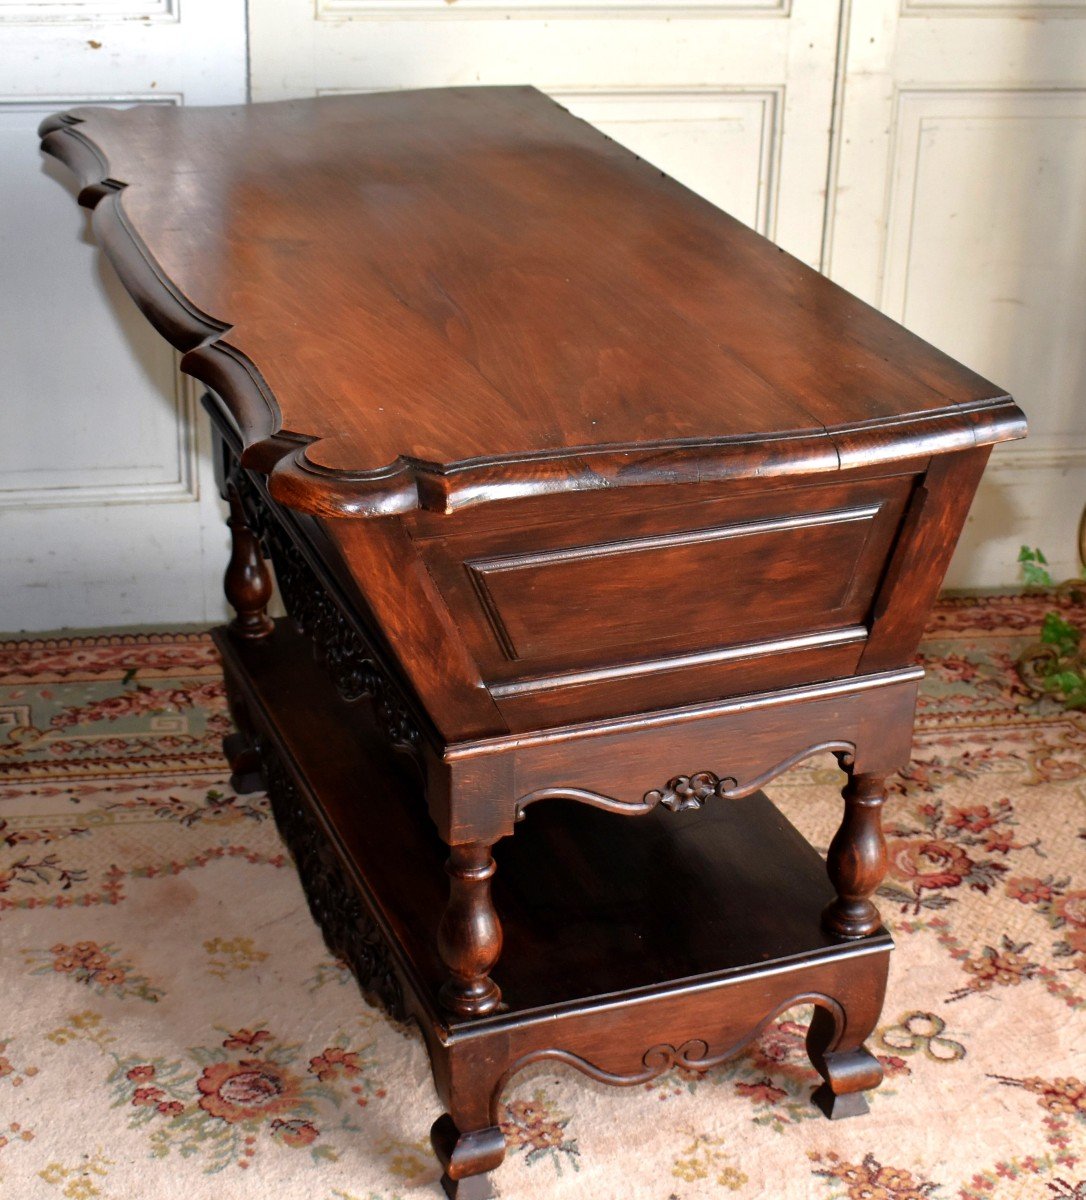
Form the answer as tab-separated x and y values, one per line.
314	473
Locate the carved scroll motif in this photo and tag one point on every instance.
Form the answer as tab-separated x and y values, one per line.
691	1055
349	931
349	659
684	792
690	791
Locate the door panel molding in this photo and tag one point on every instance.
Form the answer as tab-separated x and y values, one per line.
353	10
90	12
611	108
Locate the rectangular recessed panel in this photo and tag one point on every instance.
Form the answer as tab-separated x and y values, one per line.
722	143
648	595
101	415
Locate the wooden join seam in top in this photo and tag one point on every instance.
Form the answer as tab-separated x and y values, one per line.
437	298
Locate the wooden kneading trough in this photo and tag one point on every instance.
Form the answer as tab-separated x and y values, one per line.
586	503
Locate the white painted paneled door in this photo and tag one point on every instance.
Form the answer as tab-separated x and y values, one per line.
960	210
108	515
733	97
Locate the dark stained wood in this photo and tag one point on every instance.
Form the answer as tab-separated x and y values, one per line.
469	937
247	583
857	858
586	503
351	272
631	985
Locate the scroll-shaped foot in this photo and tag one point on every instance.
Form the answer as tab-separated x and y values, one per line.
848	1068
466	1157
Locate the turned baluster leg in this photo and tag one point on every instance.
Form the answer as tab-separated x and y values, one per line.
247	583
469	938
856	861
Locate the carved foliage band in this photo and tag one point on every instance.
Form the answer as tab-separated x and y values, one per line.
350	661
349	931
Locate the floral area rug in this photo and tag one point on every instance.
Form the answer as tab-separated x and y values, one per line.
171	1024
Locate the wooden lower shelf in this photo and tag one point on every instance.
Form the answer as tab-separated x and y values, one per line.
632	944
595	907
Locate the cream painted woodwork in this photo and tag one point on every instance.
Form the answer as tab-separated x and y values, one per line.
959	208
733	97
108	513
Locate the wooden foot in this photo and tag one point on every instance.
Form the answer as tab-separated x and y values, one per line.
856	861
844	1063
244	760
466	1157
247	582
240	748
469	938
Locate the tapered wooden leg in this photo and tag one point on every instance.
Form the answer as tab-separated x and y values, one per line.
247	583
856	861
469	938
847	1067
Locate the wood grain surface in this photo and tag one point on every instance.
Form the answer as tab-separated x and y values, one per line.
443	297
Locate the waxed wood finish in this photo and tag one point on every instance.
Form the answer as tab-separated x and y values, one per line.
592	512
461	293
632	985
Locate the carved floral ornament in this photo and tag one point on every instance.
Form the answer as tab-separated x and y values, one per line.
690	791
684	792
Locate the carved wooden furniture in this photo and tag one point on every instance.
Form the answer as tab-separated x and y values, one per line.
593	505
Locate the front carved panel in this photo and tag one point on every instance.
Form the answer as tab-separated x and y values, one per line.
349	931
337	641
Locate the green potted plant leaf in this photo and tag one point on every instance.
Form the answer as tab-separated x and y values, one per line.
1056	665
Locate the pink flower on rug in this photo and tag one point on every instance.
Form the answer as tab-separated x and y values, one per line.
334	1063
1072	908
150	1097
246	1039
1062	1096
141	1073
1028	890
762	1092
1003	967
1001	841
870	1180
251	1089
530	1124
975	818
929	863
295	1133
780	1049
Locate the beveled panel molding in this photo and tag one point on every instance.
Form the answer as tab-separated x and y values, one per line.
340	10
89	12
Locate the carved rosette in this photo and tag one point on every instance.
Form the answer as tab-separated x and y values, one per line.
349	931
349	659
689	791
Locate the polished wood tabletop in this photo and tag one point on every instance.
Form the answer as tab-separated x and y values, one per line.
649	512
433	298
